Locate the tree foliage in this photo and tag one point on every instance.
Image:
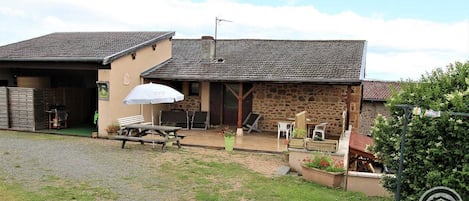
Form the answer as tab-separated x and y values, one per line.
436	149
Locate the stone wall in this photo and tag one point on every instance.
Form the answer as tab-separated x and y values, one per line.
277	102
369	112
190	103
323	103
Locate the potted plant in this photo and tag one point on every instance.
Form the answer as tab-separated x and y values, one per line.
323	169
298	137
229	136
112	129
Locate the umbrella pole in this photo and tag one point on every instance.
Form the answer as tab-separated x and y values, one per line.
152	116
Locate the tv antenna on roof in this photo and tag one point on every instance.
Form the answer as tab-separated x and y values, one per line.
217	20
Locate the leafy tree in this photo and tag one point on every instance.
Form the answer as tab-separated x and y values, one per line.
436	149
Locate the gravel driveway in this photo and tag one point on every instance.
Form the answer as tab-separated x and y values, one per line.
133	173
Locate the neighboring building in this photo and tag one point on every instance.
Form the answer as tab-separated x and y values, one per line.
375	94
68	66
276	78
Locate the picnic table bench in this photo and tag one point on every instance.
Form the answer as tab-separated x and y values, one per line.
137	133
136	119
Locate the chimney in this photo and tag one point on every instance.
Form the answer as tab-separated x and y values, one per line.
208	48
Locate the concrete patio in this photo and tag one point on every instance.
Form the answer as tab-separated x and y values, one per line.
254	141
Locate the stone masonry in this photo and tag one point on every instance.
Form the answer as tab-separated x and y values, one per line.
323	103
190	103
370	111
277	102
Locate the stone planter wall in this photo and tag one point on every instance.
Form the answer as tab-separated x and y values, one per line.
296	156
331	179
368	183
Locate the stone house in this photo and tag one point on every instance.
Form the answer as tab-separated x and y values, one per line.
375	94
275	78
65	68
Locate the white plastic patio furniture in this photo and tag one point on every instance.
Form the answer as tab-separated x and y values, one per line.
319	129
283	127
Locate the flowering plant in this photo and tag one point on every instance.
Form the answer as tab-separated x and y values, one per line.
112	128
324	162
227	132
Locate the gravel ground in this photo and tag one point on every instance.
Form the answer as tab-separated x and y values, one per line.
133	173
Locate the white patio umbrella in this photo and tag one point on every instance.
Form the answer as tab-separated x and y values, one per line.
151	93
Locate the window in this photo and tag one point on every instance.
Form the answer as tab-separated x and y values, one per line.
193	88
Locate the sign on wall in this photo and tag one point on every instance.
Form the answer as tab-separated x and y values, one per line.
103	90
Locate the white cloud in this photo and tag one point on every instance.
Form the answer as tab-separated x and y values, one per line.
410	45
12	12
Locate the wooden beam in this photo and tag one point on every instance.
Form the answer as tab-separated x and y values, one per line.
231	90
240	96
248	92
347	102
240	106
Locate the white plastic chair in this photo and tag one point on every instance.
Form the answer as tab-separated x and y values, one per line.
283	127
319	129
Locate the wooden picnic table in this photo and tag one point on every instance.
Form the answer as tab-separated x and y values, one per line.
137	133
360	158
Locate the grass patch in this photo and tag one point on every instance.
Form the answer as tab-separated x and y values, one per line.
211	180
13	192
54	189
30	136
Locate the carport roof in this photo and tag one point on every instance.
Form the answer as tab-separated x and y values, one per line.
96	47
247	60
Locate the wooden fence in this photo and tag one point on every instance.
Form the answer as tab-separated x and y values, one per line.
24	108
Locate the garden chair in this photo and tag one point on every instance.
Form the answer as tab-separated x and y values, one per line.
251	122
199	120
319	129
283	127
178	118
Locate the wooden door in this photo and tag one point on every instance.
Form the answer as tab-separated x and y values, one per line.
216	103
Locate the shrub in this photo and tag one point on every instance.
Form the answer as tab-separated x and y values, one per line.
436	148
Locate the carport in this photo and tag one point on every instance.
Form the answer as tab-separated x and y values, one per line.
62	71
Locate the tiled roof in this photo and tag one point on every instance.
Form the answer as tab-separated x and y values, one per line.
101	47
378	90
266	60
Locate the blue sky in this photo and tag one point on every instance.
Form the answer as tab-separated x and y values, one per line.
405	39
433	10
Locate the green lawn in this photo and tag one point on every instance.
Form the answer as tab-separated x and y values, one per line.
185	174
207	181
231	181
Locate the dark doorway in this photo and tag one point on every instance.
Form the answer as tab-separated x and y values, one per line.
216	103
224	104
